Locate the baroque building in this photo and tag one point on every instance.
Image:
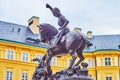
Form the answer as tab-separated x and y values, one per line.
17	49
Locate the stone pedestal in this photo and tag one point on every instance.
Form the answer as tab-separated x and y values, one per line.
76	73
77	78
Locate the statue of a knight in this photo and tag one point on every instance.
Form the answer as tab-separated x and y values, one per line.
62	22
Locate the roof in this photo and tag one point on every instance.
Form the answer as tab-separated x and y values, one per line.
105	42
16	32
33	17
20	33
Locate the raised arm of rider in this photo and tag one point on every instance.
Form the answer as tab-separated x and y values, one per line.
48	6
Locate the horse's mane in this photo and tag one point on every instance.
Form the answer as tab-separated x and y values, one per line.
48	31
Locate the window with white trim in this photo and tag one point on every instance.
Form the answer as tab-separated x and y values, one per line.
39	56
108	78
25	56
53	61
91	63
24	76
9	75
107	61
10	54
69	61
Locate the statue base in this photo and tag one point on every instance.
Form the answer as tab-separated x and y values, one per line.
77	78
75	73
80	77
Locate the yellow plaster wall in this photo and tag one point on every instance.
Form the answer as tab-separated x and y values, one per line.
17	66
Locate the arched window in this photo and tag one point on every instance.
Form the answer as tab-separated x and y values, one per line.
108	77
9	75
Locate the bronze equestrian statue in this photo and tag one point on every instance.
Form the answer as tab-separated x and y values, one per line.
62	22
63	42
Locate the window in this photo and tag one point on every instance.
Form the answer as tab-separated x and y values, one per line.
108	78
118	46
53	61
39	56
18	30
30	22
9	75
69	61
24	76
10	54
107	61
25	56
91	63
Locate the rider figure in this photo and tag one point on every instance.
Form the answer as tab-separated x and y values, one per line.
62	22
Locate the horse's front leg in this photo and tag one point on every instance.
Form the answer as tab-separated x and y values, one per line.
72	53
81	58
44	57
47	65
79	61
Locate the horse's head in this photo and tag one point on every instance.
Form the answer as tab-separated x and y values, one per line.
42	31
47	32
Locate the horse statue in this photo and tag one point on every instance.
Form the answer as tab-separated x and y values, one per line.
72	43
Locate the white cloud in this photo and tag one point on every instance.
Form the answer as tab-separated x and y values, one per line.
101	17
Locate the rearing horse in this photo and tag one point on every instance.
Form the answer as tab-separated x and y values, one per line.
72	43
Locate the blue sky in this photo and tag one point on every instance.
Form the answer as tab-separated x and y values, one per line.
99	16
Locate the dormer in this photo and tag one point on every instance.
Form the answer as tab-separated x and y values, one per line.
32	24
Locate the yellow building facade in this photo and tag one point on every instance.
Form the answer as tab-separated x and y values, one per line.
16	64
15	60
104	64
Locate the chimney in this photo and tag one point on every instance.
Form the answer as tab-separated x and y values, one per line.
89	34
78	30
32	24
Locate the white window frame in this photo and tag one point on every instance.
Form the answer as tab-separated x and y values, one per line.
9	75
25	56
24	75
107	61
39	56
53	61
69	61
10	54
108	78
91	63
